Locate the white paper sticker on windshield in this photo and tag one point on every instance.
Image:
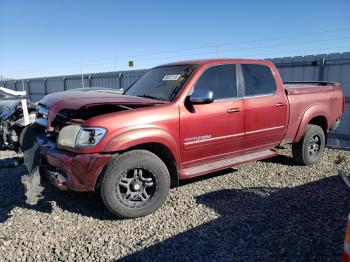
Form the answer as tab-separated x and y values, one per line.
171	77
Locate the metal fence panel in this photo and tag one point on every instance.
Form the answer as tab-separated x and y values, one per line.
339	72
109	82
22	85
37	87
75	83
11	85
54	85
310	72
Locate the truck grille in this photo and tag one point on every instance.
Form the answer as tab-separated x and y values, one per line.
42	113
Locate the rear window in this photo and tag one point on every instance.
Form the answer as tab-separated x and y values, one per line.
258	80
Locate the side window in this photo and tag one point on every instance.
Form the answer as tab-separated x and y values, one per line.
258	80
221	80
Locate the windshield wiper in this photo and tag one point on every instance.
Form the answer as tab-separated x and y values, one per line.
148	96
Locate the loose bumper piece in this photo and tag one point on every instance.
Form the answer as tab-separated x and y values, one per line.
32	186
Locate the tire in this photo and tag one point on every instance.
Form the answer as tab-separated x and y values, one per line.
29	148
305	151
135	184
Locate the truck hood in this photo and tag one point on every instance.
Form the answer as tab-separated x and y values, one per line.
78	99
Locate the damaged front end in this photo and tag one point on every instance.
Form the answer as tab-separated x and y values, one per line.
61	168
66	167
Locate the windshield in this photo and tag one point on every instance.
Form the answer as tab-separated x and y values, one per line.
161	83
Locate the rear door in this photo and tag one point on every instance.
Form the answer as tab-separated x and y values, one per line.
212	131
265	107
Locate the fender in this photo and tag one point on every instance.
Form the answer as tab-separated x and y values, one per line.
135	137
310	113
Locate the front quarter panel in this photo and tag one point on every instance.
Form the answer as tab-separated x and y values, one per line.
140	136
154	124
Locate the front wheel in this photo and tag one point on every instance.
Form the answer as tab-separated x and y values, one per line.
309	149
135	184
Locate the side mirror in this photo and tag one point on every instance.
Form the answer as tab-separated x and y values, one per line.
201	96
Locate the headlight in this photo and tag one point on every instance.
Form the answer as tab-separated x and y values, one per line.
76	136
90	136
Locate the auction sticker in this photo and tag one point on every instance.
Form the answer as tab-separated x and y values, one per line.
171	77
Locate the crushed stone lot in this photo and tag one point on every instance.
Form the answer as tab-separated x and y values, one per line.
267	210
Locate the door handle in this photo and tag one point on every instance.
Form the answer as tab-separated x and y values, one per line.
233	110
279	104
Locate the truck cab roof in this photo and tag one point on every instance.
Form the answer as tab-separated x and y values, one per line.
218	61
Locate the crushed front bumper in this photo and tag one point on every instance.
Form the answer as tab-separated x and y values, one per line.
66	170
79	170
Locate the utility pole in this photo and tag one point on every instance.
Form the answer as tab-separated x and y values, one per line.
82	75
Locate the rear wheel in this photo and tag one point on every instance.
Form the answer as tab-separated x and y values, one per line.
309	149
135	184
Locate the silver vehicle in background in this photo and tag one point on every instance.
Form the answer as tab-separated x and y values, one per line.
16	112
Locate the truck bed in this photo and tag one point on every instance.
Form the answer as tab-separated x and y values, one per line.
303	87
302	97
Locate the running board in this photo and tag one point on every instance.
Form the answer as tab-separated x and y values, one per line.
222	164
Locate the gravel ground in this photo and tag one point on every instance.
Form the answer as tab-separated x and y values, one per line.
271	209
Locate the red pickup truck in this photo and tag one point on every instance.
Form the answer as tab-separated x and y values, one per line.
177	121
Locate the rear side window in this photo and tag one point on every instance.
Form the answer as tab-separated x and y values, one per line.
258	80
220	79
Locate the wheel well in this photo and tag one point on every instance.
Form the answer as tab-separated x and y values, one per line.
165	155
159	150
320	121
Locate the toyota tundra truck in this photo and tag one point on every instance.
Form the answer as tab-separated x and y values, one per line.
178	121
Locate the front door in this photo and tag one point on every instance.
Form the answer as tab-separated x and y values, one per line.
213	131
